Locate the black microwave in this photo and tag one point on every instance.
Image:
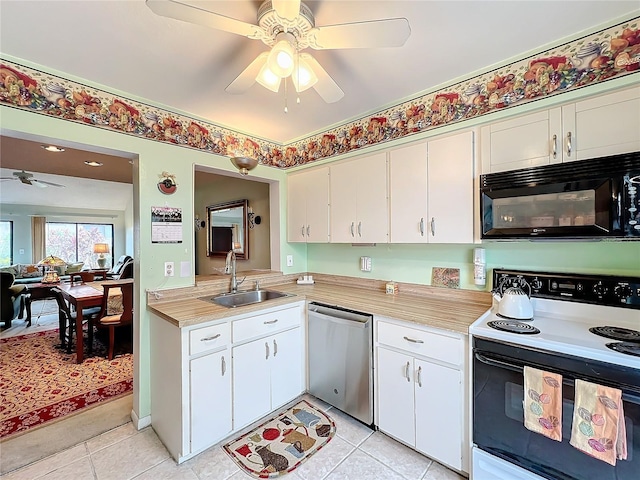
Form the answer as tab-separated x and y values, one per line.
583	199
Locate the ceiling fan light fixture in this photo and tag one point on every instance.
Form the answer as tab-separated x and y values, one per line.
281	58
268	79
303	76
52	148
93	163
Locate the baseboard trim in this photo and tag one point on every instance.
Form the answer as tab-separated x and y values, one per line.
140	423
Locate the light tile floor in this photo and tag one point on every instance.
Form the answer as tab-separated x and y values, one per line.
356	452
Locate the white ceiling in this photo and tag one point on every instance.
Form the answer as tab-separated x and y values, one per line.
125	46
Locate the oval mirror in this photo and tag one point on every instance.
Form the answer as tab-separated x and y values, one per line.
227	229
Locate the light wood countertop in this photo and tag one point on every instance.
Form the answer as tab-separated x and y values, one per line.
442	308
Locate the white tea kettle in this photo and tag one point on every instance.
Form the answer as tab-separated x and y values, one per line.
514	304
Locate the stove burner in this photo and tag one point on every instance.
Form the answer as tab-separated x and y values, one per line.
513	326
626	348
617	333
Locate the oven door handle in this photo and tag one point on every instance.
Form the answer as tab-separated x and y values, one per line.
498	363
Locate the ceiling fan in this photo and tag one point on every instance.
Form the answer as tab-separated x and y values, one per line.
288	27
27	179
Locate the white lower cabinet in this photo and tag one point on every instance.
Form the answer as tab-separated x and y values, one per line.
267	372
212	379
421	390
210	398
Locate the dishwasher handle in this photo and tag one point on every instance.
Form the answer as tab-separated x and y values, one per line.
341	321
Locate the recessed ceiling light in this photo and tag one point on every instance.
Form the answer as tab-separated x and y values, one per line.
93	164
52	148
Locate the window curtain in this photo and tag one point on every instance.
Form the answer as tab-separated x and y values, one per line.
38	237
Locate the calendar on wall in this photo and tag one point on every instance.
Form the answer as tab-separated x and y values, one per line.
166	225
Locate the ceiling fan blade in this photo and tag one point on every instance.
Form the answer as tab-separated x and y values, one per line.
326	87
392	32
43	184
287	9
188	13
247	78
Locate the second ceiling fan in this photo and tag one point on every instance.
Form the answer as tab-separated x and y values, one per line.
288	27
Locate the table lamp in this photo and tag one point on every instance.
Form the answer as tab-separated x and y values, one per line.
101	248
51	276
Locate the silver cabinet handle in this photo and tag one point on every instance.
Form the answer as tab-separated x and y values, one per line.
275	348
569	144
359	229
419	379
422	227
224	366
406	372
308	230
413	340
302	230
270	322
555	146
208	339
266	347
352	225
433	226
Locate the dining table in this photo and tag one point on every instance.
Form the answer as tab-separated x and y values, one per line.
81	296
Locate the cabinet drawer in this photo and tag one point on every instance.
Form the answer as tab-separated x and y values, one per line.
209	338
266	324
446	348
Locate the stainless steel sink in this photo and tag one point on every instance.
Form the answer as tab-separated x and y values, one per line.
240	299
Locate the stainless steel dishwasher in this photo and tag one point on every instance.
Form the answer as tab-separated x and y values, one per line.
341	359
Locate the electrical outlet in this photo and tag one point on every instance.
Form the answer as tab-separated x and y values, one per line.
289	260
21	251
168	269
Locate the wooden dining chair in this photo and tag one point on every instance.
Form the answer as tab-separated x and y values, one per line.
67	319
116	310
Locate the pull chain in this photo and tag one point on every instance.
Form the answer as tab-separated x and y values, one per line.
286	109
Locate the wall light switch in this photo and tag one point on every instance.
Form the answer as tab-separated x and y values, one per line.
21	251
289	260
365	264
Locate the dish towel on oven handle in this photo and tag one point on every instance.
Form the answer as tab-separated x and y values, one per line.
598	427
542	403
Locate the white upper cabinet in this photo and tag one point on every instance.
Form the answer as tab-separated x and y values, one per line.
601	126
408	194
308	206
431	191
359	208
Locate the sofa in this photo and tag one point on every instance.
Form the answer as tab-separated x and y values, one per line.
25	273
12	298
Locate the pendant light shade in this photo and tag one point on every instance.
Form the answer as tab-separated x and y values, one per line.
244	164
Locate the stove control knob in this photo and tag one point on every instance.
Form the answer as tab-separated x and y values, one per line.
600	290
580	287
622	291
536	284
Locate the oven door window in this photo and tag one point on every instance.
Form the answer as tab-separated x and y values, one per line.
498	426
578	208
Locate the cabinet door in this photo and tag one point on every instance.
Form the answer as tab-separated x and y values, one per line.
372	210
317	191
526	141
210	399
408	194
450	189
286	364
251	382
601	126
296	208
343	190
438	398
395	395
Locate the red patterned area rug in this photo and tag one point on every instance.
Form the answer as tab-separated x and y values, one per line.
283	443
41	384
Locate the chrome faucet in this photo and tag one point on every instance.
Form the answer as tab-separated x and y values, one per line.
230	266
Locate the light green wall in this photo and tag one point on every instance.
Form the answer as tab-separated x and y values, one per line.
413	263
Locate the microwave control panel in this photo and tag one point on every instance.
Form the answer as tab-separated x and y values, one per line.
610	290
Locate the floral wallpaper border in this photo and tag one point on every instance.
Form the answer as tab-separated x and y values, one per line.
609	53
